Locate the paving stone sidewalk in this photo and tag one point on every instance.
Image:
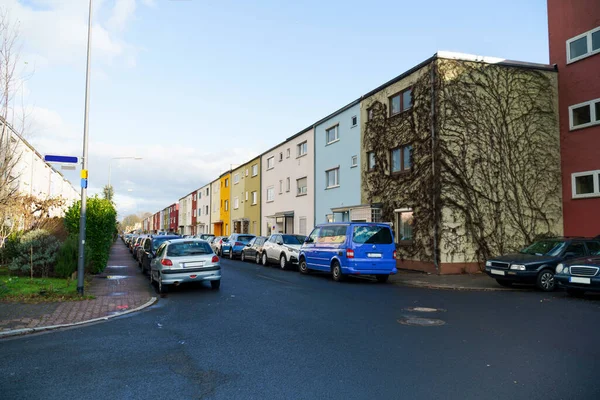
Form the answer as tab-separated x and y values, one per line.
121	287
458	282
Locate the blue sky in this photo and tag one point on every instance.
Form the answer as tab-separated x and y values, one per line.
195	86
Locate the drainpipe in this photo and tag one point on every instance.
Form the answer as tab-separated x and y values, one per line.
433	170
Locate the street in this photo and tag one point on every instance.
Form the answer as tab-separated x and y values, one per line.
272	334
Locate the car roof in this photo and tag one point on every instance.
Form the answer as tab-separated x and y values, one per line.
354	223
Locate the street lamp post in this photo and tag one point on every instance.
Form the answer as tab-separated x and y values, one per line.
84	164
118	158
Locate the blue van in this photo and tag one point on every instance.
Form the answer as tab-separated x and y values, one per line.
350	248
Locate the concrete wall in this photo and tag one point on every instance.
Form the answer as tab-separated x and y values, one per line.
337	155
252	184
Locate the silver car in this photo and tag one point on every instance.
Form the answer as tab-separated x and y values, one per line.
185	260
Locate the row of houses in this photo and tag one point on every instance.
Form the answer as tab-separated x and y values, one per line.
461	155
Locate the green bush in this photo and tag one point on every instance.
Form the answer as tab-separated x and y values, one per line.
36	250
101	222
10	248
66	260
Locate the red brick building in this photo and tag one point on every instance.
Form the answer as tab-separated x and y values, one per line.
194	212
574	37
156	222
174	217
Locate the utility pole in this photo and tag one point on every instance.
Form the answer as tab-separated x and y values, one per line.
84	170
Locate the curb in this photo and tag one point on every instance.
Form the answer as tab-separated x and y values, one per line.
461	288
24	331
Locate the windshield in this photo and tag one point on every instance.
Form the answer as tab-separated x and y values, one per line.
372	235
183	249
544	248
292	239
245	239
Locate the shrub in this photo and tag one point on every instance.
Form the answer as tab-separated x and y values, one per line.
100	224
66	259
36	252
11	244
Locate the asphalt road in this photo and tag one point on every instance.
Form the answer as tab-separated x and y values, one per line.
272	334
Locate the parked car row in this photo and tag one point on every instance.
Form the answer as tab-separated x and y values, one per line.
572	263
173	260
341	249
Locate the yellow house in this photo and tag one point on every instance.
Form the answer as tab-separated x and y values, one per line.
225	209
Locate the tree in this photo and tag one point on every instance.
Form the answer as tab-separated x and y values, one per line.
108	193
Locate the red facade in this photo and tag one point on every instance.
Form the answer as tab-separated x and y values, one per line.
578	82
174	217
194	211
156	222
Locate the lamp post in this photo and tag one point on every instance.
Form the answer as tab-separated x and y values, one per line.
84	164
118	158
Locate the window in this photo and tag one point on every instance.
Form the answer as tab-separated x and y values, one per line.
236	179
354	161
226	182
302	226
332	135
593	247
584	114
354	120
302	149
280	187
255	170
288	153
585	184
334	234
404	225
194	197
372	235
270	162
199	195
246	196
401	159
332	178
401	101
369	114
287	184
281	157
199	212
301	185
584	45
226	205
314	235
270	194
236	203
206	213
371	161
254	198
577	248
207	191
246	171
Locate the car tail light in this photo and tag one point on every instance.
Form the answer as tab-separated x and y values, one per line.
238	244
394	254
166	262
215	259
137	244
349	253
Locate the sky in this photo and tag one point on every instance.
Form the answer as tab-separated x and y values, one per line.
194	87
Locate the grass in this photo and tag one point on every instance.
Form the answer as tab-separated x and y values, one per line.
37	290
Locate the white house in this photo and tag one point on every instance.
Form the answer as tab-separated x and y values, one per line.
203	210
287	181
185	214
215	207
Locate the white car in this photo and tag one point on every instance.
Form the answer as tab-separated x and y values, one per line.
282	249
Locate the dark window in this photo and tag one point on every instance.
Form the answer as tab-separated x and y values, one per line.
401	159
578	47
161	250
594	248
545	247
401	102
191	248
354	121
372	235
578	248
244	239
292	239
252	242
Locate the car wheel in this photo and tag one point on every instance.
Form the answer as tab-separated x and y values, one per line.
264	259
302	267
151	278
282	261
231	253
545	280
336	271
162	288
504	283
382	278
242	256
257	258
575	292
215	285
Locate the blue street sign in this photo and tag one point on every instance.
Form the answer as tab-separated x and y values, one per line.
84	183
61	159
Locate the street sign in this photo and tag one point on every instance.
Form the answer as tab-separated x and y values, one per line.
61	159
68	167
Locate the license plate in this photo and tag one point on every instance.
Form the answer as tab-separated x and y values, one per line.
193	264
374	255
497	272
576	279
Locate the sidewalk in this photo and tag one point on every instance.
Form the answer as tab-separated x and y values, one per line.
120	289
457	282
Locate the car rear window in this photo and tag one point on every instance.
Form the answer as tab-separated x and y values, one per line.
158	241
245	239
332	234
191	248
372	235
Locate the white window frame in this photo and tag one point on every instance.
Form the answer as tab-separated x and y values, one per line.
336	136
255	170
254	198
246	171
288	152
270	163
354	161
590	52
271	190
226	205
397	222
300	192
337	178
236	179
594	119
299	148
288	184
246	196
595	174
280	156
236	203
280	186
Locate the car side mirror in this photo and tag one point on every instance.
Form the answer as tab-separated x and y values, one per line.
279	242
308	240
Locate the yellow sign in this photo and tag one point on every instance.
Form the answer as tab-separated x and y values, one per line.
84	174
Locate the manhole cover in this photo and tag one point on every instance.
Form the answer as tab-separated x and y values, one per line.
424	309
417	321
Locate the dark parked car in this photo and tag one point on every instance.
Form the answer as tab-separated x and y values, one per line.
582	274
234	245
253	250
149	247
536	264
138	247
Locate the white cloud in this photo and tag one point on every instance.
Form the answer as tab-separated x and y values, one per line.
122	12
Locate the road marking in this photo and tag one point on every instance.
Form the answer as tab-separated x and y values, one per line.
424	309
273	279
418	321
